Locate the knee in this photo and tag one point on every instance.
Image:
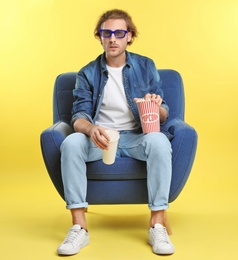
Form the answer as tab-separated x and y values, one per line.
73	142
157	142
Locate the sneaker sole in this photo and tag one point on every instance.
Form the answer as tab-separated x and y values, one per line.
66	252
161	252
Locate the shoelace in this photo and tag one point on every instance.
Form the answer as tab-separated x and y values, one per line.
73	235
160	235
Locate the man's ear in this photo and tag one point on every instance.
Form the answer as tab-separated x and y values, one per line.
129	38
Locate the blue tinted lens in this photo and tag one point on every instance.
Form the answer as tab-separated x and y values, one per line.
108	33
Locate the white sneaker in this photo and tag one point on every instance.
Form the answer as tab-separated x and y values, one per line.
159	240
76	239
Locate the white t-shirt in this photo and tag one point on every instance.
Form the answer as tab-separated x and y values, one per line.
115	112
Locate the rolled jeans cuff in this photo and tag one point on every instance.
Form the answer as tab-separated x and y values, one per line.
154	208
77	206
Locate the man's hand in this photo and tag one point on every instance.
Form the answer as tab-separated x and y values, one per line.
158	100
96	133
153	97
99	136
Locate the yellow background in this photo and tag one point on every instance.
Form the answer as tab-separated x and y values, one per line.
40	39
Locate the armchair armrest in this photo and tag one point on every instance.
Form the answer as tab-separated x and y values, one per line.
184	145
51	140
185	138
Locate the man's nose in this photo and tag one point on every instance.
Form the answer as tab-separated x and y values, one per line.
113	37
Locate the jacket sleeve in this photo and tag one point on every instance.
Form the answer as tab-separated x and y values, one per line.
83	95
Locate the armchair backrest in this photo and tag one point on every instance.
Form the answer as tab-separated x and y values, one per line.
172	86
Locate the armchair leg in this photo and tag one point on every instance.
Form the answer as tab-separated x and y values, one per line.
167	224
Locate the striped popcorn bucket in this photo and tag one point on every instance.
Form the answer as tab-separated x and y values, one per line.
149	115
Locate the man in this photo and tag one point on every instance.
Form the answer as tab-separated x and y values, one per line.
105	95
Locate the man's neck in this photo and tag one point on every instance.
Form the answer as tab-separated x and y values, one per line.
116	62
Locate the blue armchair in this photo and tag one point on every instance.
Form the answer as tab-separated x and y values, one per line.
123	182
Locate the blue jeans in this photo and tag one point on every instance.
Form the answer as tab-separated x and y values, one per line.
154	148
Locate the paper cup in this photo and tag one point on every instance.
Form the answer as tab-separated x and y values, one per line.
109	155
149	115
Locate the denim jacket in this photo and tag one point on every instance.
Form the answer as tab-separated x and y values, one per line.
139	74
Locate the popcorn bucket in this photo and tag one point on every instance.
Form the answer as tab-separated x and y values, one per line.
149	115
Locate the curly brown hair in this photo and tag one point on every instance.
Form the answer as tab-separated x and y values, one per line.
117	14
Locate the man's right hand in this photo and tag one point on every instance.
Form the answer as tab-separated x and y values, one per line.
100	137
96	133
